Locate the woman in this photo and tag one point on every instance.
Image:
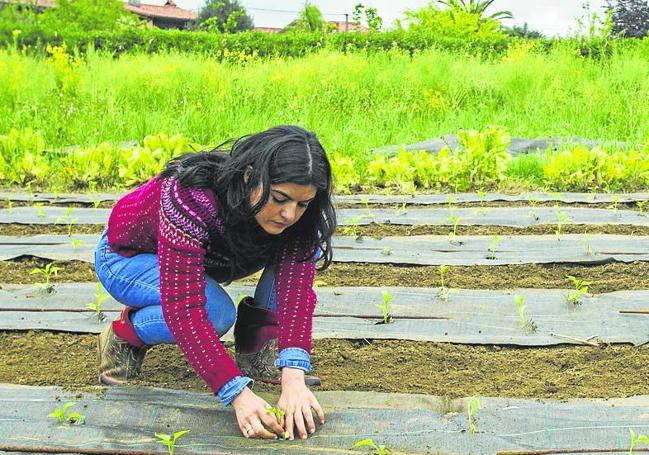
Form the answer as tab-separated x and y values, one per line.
210	218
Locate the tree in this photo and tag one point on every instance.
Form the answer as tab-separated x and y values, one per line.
310	19
630	17
374	21
523	32
476	7
86	15
223	16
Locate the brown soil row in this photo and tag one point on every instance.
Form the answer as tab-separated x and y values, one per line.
605	278
69	360
377	230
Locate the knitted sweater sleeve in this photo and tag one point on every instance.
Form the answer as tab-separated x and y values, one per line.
296	299
182	240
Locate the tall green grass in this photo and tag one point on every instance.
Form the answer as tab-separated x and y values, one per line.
354	101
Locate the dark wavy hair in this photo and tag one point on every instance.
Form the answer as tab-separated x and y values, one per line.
283	154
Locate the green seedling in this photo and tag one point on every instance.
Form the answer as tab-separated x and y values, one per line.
319	283
366	202
636	439
387	251
10	204
581	288
401	210
279	415
481	197
39	210
452	239
48	272
493	246
378	449
642	205
562	219
472	408
96	305
443	291
527	325
77	242
96	203
616	202
385	307
454	220
170	440
63	416
533	202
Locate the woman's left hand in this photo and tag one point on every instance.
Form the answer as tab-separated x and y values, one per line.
298	401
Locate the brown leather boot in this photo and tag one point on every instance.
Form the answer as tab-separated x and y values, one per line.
255	343
120	351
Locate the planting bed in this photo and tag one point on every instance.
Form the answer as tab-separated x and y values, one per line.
444	345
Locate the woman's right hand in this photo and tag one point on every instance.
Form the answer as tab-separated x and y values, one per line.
253	417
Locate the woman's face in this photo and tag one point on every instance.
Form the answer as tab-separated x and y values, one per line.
286	204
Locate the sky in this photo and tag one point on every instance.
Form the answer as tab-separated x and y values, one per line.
551	17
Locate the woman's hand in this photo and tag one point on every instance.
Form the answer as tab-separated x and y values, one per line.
253	417
297	401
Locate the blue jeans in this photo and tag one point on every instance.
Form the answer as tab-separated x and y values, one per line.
135	281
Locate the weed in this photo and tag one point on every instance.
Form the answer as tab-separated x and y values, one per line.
169	440
48	272
378	449
279	414
63	416
581	288
387	251
527	325
96	305
443	291
471	409
493	246
385	307
636	439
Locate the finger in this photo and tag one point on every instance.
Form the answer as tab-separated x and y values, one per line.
299	424
247	430
308	419
262	432
288	425
318	410
270	421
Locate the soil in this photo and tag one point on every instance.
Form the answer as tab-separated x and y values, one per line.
69	360
605	278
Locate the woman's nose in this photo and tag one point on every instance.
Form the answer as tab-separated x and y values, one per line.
288	213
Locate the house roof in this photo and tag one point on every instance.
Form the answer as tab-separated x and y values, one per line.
167	11
342	26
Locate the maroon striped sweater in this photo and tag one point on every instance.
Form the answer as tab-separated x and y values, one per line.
179	225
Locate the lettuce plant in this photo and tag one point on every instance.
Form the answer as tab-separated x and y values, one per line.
385	307
48	272
63	416
581	288
97	304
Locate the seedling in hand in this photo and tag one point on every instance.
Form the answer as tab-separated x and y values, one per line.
581	288
378	449
63	416
493	246
637	439
96	305
471	409
48	272
385	307
527	325
443	291
279	415
169	440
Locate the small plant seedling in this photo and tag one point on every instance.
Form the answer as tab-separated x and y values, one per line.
63	416
366	202
77	242
170	440
616	202
385	307
96	305
472	408
10	204
527	325
378	449
48	272
581	288
401	210
39	210
96	203
481	197
533	202
493	246
562	219
642	205
387	251
279	414
586	241
443	291
450	201
68	220
452	239
454	220
636	439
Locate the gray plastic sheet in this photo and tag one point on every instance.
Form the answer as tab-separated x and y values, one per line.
485	216
463	316
414	250
127	417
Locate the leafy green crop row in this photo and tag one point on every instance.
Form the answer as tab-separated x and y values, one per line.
481	162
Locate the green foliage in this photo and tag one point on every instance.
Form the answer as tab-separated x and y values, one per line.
527	325
224	16
376	449
21	157
478	7
63	416
581	288
96	306
86	16
373	20
385	307
170	440
310	19
49	271
472	408
636	439
594	33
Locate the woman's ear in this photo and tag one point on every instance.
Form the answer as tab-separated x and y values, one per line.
247	174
